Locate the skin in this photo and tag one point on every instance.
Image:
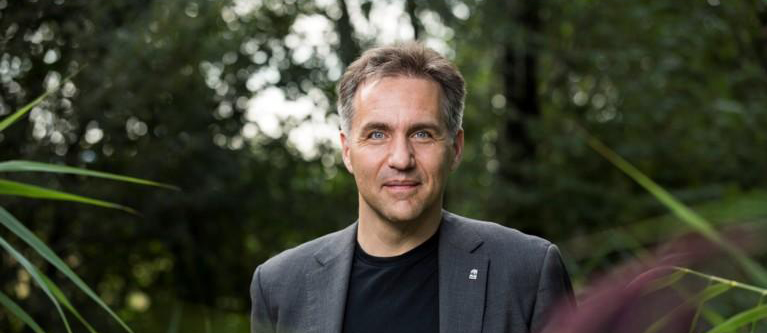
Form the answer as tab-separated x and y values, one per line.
400	153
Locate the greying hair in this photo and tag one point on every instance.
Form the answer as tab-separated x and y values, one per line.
410	59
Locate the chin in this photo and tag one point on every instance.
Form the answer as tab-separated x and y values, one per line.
402	214
400	218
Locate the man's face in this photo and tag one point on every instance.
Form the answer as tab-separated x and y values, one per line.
398	148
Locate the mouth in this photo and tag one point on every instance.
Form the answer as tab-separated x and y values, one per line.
401	185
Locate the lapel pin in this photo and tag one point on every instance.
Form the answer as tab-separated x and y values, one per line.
473	274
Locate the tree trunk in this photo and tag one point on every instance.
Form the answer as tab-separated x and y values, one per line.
411	8
519	73
760	39
348	49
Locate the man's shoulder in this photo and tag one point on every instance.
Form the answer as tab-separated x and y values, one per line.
500	238
298	258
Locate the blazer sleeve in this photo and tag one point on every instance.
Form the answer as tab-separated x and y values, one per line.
554	289
260	320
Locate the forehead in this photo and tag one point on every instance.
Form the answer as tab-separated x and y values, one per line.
398	98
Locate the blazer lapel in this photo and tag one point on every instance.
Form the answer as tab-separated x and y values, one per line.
328	283
462	278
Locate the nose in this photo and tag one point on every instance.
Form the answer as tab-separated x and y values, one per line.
401	155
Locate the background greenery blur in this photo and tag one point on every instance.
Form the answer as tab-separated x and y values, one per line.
233	102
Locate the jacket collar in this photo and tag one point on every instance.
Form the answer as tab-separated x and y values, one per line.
328	282
339	244
463	275
462	278
458	233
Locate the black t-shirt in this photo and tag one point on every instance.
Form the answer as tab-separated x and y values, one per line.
394	294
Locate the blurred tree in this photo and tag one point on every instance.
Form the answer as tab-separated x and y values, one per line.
233	102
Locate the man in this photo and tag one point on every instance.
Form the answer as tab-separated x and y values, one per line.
406	265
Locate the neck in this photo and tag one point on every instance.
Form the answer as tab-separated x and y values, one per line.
381	237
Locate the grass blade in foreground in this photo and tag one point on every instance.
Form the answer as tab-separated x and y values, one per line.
27	236
684	213
8	121
700	298
18	166
17	311
65	302
741	319
37	277
8	187
664	282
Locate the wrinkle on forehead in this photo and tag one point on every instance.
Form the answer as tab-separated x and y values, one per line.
380	103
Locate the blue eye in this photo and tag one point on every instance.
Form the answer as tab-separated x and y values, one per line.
422	135
376	135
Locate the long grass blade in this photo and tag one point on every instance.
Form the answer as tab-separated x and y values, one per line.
17	311
679	209
700	298
8	187
741	319
18	166
717	279
712	317
38	245
14	117
36	275
67	304
753	324
664	282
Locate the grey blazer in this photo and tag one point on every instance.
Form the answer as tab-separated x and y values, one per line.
491	279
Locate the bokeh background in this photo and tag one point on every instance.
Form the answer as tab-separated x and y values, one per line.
233	102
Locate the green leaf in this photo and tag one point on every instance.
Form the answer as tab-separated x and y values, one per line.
741	319
738	208
710	292
15	166
700	298
719	279
713	317
17	311
8	121
8	187
27	236
679	209
37	276
65	301
664	282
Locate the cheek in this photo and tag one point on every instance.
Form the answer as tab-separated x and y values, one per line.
435	161
366	162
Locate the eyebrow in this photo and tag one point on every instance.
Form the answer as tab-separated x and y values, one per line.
428	126
375	126
385	127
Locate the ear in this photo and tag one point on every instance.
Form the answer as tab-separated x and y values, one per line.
457	150
345	152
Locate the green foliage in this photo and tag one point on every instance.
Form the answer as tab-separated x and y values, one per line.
174	91
741	319
23	190
717	287
20	313
19	189
18	166
684	213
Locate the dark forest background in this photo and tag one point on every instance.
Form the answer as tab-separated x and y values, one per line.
233	102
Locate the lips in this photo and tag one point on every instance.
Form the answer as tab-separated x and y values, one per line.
401	185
